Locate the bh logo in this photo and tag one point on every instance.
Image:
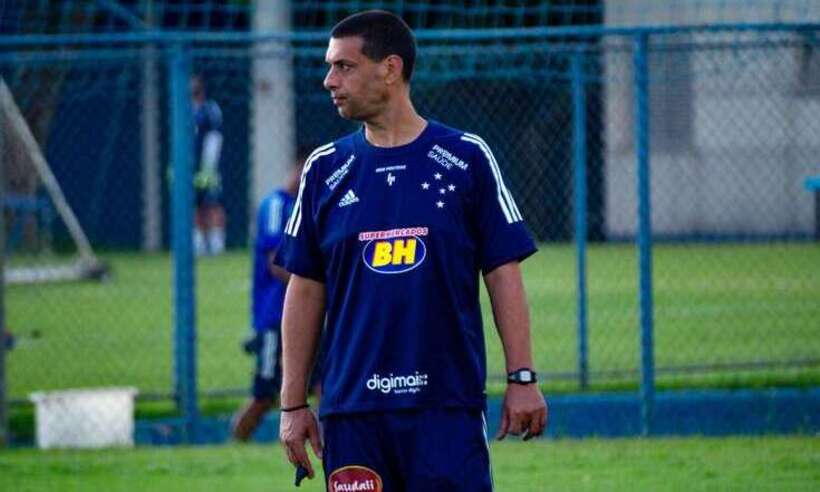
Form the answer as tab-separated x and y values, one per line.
397	253
354	479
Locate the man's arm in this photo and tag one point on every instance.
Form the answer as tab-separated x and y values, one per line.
301	327
524	409
211	150
275	270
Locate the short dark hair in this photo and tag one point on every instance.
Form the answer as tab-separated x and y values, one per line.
384	34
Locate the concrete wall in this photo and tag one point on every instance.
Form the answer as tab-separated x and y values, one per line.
734	131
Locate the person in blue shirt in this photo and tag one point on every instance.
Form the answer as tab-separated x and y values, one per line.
209	220
392	228
268	294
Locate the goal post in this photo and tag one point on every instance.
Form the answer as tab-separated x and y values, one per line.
85	264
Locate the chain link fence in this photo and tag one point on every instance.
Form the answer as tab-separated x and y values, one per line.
734	117
79	16
80	328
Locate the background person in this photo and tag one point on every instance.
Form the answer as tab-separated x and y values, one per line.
268	293
209	219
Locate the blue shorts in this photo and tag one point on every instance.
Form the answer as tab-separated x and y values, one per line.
267	379
408	451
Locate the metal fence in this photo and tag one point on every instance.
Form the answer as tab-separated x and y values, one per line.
78	16
661	170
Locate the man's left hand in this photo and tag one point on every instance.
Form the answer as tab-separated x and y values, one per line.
524	412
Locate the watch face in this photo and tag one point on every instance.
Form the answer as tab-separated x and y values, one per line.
523	376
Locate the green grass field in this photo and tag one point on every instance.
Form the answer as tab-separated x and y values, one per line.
772	463
715	304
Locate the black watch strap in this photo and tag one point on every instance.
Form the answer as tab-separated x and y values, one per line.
524	375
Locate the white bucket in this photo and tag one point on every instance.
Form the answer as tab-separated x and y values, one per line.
85	418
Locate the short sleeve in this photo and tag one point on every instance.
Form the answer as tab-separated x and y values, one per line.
502	235
299	251
271	222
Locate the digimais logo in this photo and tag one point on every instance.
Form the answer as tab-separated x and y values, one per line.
397	384
354	478
394	251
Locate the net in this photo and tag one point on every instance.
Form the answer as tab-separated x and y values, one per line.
34	194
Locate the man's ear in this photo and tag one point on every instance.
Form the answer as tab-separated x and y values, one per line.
394	66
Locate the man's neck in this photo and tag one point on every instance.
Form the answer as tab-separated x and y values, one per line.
398	125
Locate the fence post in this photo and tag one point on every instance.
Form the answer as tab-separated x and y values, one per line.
149	99
3	416
641	73
580	190
182	240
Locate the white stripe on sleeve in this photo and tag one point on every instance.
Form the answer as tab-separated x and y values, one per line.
504	196
292	228
505	191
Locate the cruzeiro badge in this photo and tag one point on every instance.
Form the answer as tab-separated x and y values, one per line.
438	188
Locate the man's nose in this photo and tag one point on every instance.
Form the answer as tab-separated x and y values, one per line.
330	81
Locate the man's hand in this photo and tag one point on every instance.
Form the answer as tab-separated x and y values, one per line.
301	325
524	412
294	429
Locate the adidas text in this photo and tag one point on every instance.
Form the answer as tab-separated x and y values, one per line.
349	199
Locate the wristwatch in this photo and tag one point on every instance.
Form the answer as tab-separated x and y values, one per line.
522	376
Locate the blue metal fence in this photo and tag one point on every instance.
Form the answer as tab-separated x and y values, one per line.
182	163
566	106
642	142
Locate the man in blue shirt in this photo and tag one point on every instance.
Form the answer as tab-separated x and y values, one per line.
268	294
390	231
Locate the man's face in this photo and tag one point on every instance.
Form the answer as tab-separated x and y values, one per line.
356	83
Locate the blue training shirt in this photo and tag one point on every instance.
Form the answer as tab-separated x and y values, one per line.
398	236
268	291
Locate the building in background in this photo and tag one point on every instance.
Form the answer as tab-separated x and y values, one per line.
729	150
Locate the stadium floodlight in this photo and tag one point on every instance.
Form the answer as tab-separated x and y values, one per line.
83	265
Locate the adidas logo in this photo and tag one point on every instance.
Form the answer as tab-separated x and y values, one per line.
349	199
